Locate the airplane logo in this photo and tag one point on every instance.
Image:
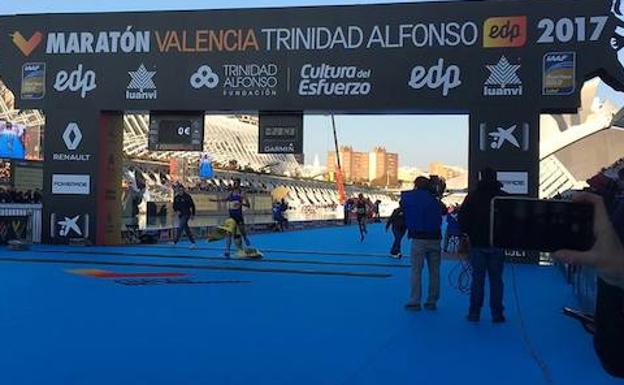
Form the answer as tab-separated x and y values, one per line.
516	135
27	46
69	224
503	135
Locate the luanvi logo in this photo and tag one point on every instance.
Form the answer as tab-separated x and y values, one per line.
142	86
27	46
503	79
509	31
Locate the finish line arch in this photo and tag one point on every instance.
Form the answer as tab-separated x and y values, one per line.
503	63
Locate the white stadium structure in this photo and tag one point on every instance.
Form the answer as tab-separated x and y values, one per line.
575	147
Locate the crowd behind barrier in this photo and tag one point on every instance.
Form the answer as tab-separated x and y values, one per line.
302	195
11	195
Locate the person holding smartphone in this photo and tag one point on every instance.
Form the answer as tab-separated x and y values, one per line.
474	219
607	257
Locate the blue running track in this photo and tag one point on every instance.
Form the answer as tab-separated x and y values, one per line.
334	316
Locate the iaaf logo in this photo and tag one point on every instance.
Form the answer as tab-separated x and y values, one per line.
559	73
27	46
142	86
76	80
436	76
330	80
503	79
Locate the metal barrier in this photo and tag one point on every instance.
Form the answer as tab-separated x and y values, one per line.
32	211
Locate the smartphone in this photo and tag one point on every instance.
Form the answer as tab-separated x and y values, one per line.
541	225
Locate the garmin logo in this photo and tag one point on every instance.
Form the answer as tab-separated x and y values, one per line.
280	148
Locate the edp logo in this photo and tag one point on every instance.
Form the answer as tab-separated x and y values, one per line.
506	31
76	80
437	76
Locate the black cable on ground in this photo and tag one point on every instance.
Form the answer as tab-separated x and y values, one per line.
460	276
525	334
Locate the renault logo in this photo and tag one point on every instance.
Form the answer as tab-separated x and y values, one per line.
72	136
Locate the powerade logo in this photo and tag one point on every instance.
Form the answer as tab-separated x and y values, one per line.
499	32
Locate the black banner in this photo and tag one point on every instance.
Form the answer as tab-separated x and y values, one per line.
434	57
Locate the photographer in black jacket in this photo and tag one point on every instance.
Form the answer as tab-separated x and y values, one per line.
607	256
474	219
185	207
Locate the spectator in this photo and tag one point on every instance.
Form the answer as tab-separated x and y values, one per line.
607	256
474	219
397	222
423	220
185	207
348	206
37	197
376	211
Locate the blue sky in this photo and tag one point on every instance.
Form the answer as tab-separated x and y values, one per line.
418	139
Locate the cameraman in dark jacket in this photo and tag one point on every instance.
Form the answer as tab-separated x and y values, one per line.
474	219
423	218
185	207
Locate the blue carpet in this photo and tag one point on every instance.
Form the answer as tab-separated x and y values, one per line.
279	327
